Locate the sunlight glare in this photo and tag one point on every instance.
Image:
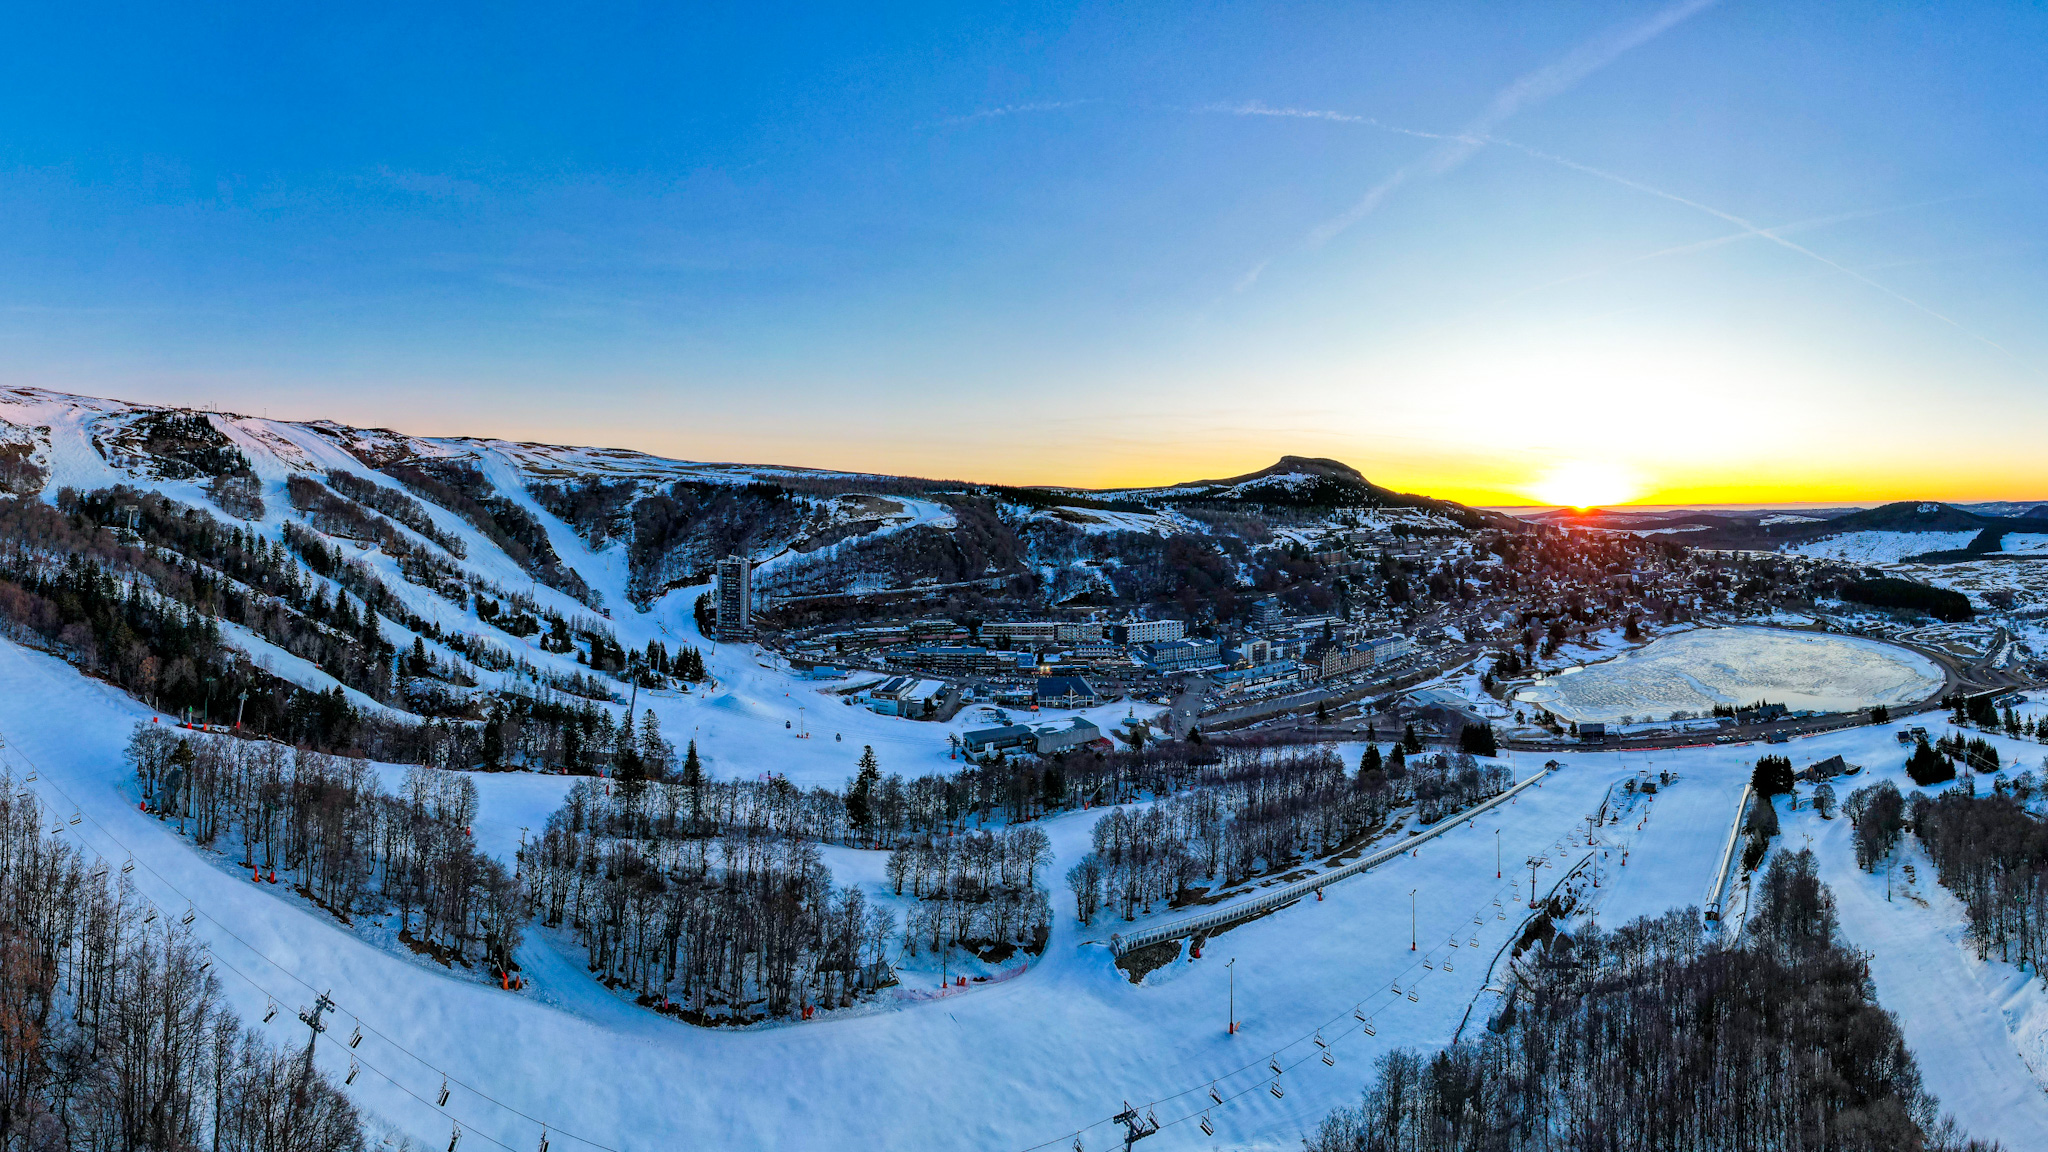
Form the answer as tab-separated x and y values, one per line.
1586	484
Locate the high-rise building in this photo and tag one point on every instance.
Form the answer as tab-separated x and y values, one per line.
735	602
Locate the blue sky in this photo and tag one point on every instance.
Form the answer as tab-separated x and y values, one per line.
1706	250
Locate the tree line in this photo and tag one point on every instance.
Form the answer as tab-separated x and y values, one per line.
723	929
1650	1039
1256	811
328	826
978	890
112	1030
1992	852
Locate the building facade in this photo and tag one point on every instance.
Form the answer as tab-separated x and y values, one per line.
735	598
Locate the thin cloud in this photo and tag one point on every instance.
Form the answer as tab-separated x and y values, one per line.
1531	89
1010	110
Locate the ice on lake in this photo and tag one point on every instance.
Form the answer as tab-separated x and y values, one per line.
1694	671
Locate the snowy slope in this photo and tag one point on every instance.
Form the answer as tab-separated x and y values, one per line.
1020	1062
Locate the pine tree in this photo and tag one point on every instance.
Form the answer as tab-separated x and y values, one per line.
693	779
858	794
1410	740
1370	761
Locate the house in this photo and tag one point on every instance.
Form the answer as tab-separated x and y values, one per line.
1066	692
997	739
1593	733
1052	738
1824	769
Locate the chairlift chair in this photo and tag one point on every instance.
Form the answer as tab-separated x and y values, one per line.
353	1068
443	1101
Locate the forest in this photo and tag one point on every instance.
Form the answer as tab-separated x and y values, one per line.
1992	852
1650	1038
113	1034
326	826
725	929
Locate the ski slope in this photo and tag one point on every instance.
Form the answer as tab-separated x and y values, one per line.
1002	1066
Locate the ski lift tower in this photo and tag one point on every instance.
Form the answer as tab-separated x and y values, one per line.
1136	1127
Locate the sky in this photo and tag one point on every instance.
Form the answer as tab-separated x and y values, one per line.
1568	252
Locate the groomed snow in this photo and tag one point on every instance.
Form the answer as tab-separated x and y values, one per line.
1694	671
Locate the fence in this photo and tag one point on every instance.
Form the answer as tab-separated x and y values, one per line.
1232	913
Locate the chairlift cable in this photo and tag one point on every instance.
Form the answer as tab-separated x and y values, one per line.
193	911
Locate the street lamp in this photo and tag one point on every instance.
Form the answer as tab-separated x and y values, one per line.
1232	969
1411	919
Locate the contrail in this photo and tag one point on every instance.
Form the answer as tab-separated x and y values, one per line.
1534	88
1749	229
1772	233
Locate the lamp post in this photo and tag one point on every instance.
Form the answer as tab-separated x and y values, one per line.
1232	969
1411	919
1496	853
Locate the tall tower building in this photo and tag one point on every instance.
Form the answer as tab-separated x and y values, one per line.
735	600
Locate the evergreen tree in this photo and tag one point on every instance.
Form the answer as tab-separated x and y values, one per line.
860	793
1370	761
1772	776
1928	767
1410	740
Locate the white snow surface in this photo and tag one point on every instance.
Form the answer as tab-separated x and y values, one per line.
1879	547
1694	671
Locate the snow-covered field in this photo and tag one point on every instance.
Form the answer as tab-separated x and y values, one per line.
1879	547
1694	671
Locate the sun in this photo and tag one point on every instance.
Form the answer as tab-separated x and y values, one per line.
1586	484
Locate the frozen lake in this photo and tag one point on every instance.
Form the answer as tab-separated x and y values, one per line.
1694	671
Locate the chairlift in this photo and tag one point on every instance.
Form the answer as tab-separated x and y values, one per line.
30	778
455	1138
1274	1064
1329	1060
128	867
269	1009
1412	995
1472	943
1447	966
356	1037
151	918
1427	964
75	818
1208	1129
353	1068
1320	1043
1369	1029
1214	1094
543	1140
189	916
1277	1091
443	1101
